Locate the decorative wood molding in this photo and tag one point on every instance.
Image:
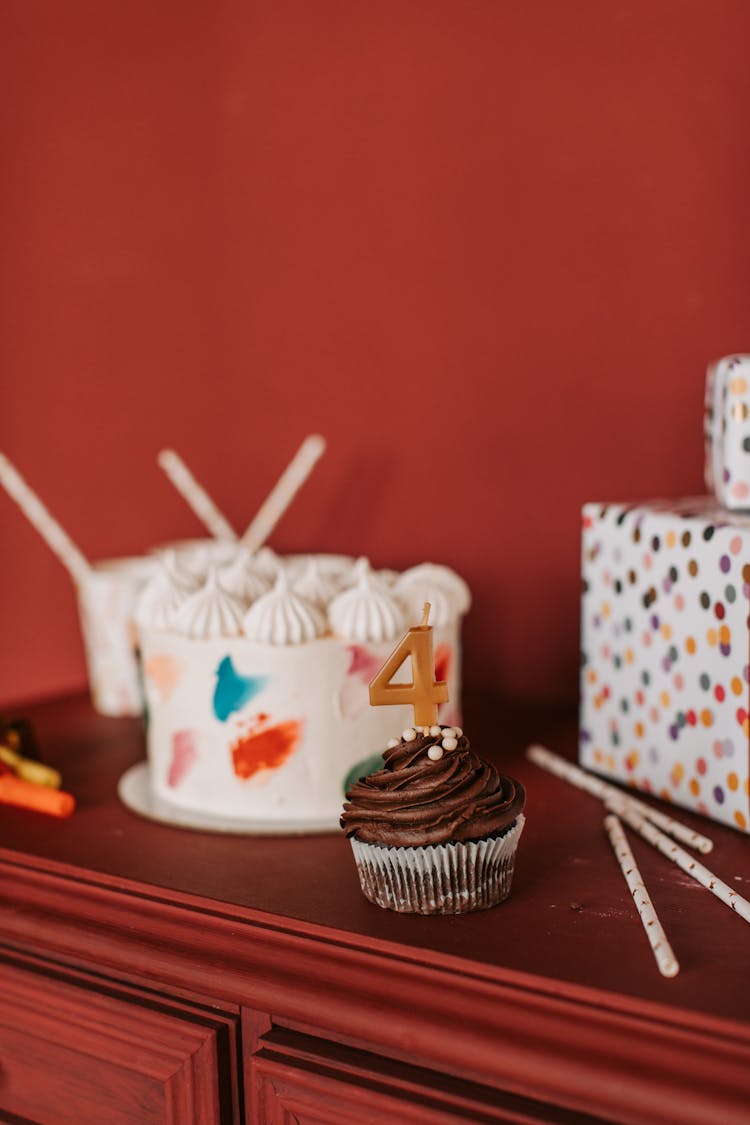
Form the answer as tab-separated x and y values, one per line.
302	1079
74	1045
622	1059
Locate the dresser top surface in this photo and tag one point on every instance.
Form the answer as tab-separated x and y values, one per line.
569	919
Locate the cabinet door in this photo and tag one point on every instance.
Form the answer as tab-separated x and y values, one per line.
75	1047
296	1079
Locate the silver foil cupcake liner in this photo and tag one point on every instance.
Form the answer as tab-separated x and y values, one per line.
449	878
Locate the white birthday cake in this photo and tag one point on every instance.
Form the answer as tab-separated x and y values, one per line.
256	673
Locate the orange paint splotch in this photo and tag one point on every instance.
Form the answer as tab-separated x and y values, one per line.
164	672
266	748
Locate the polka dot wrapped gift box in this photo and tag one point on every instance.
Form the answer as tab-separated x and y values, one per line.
727	431
664	630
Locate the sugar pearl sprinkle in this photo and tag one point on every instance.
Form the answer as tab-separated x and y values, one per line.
449	741
449	737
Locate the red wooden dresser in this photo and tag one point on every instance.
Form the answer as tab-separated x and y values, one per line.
152	974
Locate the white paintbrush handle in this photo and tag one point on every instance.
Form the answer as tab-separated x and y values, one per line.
196	496
50	530
564	769
666	961
283	492
683	859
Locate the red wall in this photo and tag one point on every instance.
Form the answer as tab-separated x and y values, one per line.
486	248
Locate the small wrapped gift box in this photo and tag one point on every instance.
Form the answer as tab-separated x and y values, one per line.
727	431
664	679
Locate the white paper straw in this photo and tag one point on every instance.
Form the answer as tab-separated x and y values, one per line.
283	492
196	496
682	858
668	964
564	769
56	539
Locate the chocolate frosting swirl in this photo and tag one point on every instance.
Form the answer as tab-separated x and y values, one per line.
414	801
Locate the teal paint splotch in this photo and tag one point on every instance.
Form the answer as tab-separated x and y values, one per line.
233	690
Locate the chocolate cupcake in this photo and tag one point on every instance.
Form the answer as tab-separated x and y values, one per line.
435	830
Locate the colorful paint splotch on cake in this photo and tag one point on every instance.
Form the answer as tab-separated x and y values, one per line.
665	662
184	756
265	747
234	691
164	672
353	698
363	663
443	659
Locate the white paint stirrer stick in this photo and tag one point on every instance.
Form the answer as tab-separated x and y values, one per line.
283	492
196	495
564	769
682	858
56	539
668	964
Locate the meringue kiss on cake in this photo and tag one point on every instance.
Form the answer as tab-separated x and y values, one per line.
256	672
434	828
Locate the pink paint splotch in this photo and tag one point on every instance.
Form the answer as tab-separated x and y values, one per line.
443	661
353	696
184	757
362	663
449	713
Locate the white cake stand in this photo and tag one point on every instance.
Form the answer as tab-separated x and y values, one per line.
134	790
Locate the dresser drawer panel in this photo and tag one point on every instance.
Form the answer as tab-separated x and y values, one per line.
69	1053
298	1079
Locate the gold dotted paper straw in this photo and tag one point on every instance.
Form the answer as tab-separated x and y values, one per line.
283	492
682	858
560	767
195	495
668	964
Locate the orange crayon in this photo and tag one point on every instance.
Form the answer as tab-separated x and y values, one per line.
25	795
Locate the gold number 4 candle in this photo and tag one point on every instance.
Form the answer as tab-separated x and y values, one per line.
424	693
